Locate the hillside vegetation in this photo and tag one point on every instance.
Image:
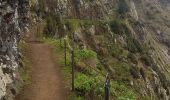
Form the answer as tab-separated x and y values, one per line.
124	38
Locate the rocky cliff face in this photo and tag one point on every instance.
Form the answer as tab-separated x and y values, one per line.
13	20
148	21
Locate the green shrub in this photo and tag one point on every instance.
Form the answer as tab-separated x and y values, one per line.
89	86
123	92
85	54
93	86
83	83
72	24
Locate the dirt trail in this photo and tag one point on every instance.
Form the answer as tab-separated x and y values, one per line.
46	76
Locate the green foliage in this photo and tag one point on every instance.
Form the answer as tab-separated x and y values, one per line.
92	85
88	23
122	92
25	69
72	24
54	24
56	43
85	54
51	26
122	71
87	85
76	97
84	83
133	45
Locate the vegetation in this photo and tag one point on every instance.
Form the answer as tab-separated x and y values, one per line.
119	27
89	82
54	26
85	54
25	68
74	24
132	58
133	45
51	26
121	58
91	85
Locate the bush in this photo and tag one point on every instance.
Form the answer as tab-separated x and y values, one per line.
85	54
83	83
122	92
72	24
89	87
93	87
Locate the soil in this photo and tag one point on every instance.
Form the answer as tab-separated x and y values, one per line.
47	82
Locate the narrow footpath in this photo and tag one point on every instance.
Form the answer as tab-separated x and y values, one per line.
47	83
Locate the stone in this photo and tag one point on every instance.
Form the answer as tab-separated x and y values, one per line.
14	16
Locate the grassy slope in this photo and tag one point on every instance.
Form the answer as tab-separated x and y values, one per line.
118	90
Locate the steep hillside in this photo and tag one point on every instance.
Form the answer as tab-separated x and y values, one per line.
129	39
131	33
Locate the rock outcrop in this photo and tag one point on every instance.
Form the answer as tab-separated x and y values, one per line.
13	21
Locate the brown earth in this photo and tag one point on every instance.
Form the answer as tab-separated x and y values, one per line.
47	81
